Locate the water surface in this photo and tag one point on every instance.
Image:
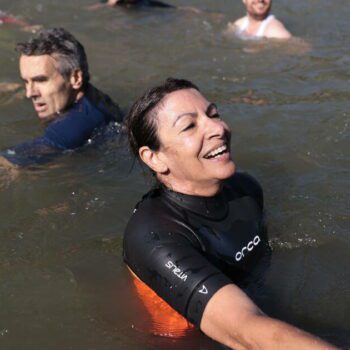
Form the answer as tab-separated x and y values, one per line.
63	284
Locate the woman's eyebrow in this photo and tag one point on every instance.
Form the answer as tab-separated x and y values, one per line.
212	107
191	114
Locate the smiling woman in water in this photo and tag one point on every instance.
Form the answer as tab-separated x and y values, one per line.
195	238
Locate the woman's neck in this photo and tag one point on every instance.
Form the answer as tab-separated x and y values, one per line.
194	188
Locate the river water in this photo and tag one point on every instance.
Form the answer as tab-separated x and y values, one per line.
63	284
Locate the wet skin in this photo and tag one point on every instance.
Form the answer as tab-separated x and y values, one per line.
258	9
195	144
49	91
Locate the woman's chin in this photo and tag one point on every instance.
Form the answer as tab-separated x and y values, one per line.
226	171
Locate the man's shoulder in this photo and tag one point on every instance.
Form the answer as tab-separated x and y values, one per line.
104	103
81	108
232	26
85	111
276	29
74	127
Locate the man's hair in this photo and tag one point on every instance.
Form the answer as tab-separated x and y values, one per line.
62	46
141	122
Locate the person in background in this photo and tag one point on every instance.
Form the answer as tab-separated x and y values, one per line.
6	18
129	3
142	3
258	22
54	68
193	241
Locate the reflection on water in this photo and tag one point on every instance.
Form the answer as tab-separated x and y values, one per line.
62	280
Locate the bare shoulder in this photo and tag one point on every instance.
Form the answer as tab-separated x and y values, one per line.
276	29
232	26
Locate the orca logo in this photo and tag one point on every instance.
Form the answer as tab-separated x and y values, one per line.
250	246
203	290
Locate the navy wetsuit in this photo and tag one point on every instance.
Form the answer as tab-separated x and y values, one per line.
70	130
187	247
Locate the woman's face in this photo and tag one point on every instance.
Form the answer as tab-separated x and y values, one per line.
195	143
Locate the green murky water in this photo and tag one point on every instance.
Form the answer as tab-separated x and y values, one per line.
62	281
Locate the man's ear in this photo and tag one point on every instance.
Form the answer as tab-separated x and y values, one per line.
76	79
152	160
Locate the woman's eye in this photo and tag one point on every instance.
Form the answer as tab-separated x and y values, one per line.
189	126
215	115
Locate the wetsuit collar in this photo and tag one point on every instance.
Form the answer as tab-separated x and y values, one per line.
215	207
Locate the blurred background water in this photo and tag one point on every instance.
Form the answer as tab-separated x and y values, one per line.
63	284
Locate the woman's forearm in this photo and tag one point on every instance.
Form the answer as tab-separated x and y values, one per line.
268	333
232	319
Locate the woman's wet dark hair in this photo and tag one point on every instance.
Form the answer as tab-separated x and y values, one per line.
141	122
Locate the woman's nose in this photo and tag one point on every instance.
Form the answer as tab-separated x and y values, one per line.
215	127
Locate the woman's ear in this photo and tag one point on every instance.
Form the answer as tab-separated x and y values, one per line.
76	79
152	160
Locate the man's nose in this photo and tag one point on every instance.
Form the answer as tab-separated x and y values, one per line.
30	90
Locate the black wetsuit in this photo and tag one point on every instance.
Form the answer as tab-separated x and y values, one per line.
187	247
148	3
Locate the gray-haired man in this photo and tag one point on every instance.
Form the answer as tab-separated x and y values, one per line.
54	68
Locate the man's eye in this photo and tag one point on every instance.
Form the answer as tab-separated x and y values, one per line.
189	126
41	79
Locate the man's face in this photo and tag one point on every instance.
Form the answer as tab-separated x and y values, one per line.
45	86
258	9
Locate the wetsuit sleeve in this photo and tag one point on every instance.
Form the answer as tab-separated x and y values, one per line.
105	104
37	151
71	131
173	267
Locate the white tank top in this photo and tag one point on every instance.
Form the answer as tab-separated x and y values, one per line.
261	31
